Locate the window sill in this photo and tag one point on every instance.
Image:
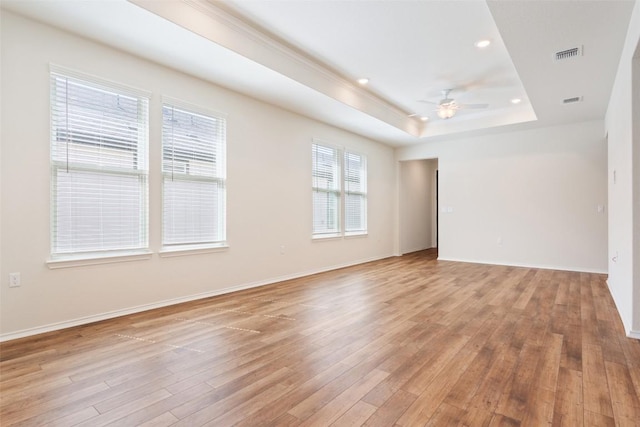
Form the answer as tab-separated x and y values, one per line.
323	237
97	259
168	252
356	235
338	236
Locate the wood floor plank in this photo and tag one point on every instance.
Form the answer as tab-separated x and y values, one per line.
569	407
164	420
594	380
513	402
483	404
437	361
540	408
406	370
327	393
345	400
431	398
402	341
163	406
214	404
247	407
624	399
610	343
546	376
75	418
540	403
295	396
45	408
446	415
597	420
499	420
392	409
126	409
461	393
357	415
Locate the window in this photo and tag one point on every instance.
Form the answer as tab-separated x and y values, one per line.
339	192
99	139
355	193
326	190
193	168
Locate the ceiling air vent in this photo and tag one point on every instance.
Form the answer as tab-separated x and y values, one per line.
572	100
569	53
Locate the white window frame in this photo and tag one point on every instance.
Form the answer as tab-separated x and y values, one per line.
361	194
60	257
197	245
341	193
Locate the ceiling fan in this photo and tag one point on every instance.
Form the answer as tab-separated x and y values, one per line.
447	107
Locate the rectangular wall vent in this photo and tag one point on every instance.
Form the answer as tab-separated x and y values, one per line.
568	53
572	100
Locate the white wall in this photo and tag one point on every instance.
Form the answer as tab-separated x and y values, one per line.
417	205
523	198
269	195
623	127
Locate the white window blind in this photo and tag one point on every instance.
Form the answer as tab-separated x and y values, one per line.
326	190
355	193
194	172
99	139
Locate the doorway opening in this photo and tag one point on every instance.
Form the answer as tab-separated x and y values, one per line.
418	205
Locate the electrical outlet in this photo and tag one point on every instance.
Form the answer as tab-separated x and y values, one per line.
14	280
282	250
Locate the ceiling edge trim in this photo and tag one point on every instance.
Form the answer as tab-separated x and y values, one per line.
238	35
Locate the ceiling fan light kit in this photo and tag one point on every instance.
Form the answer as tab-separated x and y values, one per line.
448	107
446	111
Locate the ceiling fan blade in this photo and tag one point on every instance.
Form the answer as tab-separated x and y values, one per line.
427	102
473	106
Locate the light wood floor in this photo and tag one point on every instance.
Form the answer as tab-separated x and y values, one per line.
404	341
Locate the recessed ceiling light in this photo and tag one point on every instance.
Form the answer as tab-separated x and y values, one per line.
363	81
424	119
516	101
483	43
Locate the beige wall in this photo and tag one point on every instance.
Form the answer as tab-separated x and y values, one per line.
523	198
269	192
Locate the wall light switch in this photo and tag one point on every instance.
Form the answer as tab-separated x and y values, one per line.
600	209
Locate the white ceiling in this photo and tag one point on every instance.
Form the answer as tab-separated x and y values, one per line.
410	51
306	55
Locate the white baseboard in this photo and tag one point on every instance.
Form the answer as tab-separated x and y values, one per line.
634	334
131	310
540	266
630	332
